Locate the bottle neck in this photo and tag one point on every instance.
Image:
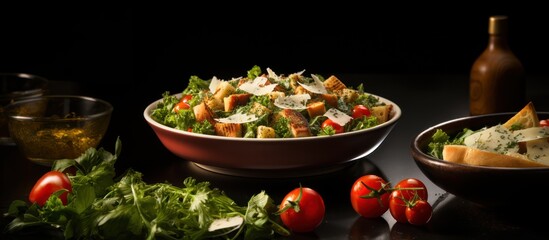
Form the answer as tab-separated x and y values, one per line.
497	41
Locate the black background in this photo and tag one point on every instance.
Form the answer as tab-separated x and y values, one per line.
131	54
160	47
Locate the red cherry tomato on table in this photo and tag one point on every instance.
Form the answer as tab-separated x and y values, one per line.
404	193
369	196
49	183
183	103
544	123
338	128
302	210
419	213
360	111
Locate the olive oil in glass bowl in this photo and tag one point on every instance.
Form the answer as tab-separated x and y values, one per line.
54	127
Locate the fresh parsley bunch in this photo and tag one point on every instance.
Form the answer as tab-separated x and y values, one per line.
101	208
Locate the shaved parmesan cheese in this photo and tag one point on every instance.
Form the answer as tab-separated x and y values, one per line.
257	86
231	222
214	83
284	81
494	139
300	73
532	133
272	74
316	87
298	101
238	118
337	116
538	150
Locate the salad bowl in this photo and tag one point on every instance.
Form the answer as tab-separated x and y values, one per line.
491	187
272	157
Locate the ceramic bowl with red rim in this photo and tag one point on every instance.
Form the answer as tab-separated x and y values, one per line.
272	157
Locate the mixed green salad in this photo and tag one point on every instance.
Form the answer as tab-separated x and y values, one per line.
441	138
269	105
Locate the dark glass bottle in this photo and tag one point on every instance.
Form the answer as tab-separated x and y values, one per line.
497	76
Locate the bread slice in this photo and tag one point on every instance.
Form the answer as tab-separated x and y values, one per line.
525	118
472	156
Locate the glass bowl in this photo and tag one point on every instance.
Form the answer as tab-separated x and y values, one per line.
14	87
54	127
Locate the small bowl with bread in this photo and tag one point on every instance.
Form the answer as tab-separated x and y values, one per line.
488	159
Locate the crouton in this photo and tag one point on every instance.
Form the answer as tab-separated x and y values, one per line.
203	112
315	109
276	94
297	123
224	89
330	98
234	100
259	110
348	95
333	83
382	112
214	104
265	132
228	129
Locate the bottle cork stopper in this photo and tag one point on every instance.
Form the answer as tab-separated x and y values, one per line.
498	25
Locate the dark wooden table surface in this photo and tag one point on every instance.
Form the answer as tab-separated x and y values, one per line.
424	99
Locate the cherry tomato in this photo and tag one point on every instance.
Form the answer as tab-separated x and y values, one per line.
419	213
186	98
49	183
404	193
544	123
302	210
183	103
369	196
338	128
360	111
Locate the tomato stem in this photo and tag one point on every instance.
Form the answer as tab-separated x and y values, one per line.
376	193
385	188
412	201
293	204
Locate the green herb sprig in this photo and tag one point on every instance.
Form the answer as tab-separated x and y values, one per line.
129	208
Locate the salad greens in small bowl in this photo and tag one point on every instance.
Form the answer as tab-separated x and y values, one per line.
268	124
